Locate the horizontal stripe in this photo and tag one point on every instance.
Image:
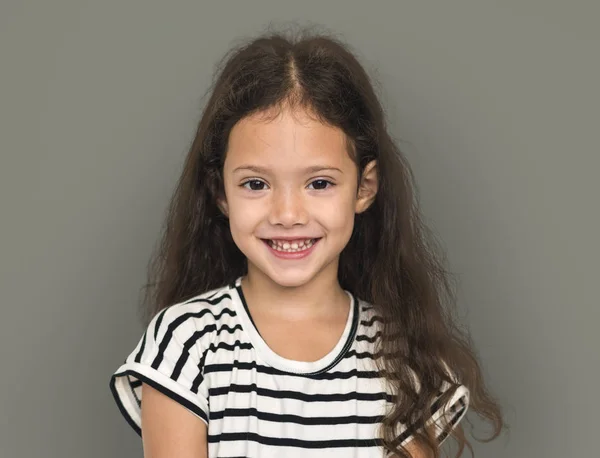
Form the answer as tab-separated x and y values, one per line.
287	394
239	365
370	339
371	321
286	442
296	419
248	346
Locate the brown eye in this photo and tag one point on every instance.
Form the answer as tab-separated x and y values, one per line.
322	184
255	185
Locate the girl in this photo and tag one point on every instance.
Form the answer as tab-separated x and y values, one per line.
297	309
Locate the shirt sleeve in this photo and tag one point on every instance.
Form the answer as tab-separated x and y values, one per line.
447	416
444	416
167	357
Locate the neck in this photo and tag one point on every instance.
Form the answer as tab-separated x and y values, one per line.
322	296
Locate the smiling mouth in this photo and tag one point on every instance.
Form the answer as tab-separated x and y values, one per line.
295	246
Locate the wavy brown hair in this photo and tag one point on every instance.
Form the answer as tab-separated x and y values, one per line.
391	259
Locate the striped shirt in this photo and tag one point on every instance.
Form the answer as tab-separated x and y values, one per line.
207	354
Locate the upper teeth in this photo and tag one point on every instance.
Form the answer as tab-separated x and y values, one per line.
296	245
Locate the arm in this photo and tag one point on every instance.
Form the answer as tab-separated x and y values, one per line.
417	450
169	430
447	418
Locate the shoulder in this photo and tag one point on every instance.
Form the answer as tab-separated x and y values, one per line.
367	311
368	332
170	355
197	318
369	318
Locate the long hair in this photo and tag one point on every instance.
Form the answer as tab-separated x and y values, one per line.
391	258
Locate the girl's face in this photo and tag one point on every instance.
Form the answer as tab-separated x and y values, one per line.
292	180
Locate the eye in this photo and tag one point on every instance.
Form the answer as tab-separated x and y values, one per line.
322	184
255	182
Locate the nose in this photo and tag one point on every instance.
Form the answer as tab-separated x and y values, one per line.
288	208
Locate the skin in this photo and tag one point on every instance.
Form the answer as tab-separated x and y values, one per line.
281	200
285	200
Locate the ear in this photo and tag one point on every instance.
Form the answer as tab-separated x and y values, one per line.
222	204
367	188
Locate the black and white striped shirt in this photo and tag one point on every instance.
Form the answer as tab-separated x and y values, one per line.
206	354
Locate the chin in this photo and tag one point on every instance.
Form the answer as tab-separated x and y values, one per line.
286	278
291	279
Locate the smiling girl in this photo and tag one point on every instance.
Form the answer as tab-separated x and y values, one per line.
298	308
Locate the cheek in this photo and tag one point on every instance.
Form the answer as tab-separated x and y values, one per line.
244	216
338	215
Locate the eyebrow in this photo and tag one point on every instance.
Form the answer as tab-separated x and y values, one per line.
311	169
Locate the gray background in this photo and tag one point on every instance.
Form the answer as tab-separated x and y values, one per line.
496	105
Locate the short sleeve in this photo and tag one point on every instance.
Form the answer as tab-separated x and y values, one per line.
447	416
444	416
167	357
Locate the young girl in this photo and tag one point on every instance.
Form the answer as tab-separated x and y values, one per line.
298	308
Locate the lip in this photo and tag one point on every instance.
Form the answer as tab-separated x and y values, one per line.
285	255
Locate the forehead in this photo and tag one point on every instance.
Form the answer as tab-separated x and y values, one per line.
290	139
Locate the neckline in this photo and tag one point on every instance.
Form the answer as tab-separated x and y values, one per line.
289	365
